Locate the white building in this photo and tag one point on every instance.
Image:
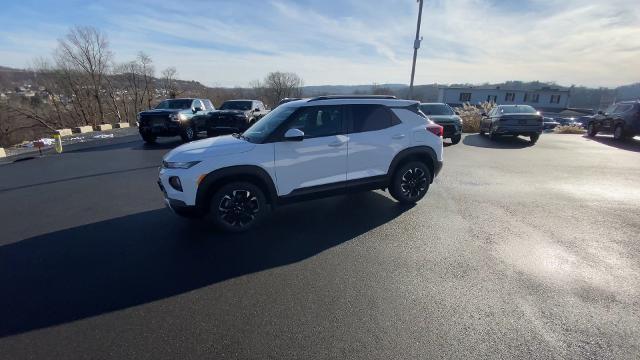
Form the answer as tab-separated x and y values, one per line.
544	99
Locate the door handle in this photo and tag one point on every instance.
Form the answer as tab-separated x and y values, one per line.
337	143
398	136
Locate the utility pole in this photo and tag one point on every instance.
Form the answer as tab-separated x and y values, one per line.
416	46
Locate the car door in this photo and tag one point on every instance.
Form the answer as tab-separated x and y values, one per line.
317	162
375	137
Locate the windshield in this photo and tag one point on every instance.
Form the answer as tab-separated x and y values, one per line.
265	126
517	109
436	109
236	105
177	104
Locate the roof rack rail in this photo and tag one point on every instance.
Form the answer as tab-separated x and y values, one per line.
340	97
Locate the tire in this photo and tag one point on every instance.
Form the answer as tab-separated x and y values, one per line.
237	207
591	130
149	138
618	132
410	182
188	134
534	138
456	139
492	135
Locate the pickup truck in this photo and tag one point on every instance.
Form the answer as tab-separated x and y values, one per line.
234	116
174	117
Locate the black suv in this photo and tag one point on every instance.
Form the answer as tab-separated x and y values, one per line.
174	117
234	116
621	119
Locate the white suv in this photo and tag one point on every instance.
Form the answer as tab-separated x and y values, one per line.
301	150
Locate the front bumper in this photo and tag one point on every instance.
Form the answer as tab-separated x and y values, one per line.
227	124
167	128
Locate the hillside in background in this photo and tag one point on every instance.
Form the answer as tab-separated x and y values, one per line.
582	97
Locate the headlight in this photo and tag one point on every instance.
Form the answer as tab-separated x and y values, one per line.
177	117
179	164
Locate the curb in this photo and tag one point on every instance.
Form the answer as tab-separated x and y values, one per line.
104	127
83	129
64	132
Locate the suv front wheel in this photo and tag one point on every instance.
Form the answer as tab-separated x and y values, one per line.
237	207
410	182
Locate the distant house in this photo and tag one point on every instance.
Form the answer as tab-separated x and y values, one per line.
551	99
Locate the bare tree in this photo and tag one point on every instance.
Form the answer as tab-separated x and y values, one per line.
86	49
169	85
147	71
278	85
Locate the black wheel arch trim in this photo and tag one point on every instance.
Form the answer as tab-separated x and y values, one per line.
252	173
418	153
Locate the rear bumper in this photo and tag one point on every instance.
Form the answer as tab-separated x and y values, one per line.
514	130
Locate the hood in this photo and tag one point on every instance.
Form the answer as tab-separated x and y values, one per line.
216	146
232	112
160	112
444	118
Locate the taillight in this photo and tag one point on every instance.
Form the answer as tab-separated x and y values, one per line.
436	129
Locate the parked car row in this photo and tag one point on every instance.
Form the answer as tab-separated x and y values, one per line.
188	117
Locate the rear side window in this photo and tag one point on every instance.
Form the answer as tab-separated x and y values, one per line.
370	118
208	105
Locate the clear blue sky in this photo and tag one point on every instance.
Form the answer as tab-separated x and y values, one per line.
229	43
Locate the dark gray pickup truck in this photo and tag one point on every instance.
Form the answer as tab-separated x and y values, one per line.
234	116
174	117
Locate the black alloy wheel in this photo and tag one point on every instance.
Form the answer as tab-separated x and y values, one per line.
237	207
411	182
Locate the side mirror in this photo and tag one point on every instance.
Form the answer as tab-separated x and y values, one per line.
294	135
483	114
600	112
256	110
196	109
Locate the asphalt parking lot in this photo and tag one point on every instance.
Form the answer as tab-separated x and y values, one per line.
517	251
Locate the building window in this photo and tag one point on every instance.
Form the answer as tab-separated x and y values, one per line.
492	98
510	97
555	99
465	97
535	98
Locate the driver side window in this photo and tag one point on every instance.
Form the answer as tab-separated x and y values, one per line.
318	121
197	104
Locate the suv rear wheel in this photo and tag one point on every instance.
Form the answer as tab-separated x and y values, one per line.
456	139
410	182
533	138
237	207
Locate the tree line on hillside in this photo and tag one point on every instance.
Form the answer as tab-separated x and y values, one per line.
81	84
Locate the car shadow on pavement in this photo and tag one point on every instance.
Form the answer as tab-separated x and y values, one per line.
115	264
504	142
628	144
